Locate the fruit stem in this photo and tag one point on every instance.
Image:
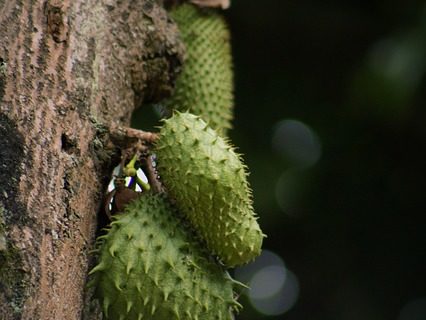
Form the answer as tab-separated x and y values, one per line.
130	171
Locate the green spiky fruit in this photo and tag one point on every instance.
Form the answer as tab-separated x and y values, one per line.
149	268
209	182
205	86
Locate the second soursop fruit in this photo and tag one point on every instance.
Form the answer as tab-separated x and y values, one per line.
150	268
209	182
205	86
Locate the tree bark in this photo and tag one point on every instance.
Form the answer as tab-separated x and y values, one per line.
69	70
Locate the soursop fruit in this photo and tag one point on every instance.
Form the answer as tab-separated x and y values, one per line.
208	181
205	86
150	268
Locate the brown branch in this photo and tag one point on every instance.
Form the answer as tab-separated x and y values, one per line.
152	174
128	138
224	4
139	142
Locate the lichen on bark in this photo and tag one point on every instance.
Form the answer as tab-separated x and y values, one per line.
13	278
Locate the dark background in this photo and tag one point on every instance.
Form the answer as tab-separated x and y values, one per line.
341	196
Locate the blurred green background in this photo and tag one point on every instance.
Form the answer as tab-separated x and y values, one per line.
330	118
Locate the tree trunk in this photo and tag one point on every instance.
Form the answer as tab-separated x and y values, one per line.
69	70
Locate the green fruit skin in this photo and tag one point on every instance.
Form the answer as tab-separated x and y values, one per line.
150	268
205	86
207	179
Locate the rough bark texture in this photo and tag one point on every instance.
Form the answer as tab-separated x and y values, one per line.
69	69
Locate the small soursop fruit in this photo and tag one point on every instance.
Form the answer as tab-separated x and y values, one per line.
205	86
209	183
149	268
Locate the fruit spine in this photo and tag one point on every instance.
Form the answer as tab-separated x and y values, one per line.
207	179
205	86
149	268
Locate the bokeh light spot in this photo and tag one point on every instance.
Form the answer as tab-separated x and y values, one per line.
400	60
273	288
282	301
267	282
267	258
414	310
296	142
